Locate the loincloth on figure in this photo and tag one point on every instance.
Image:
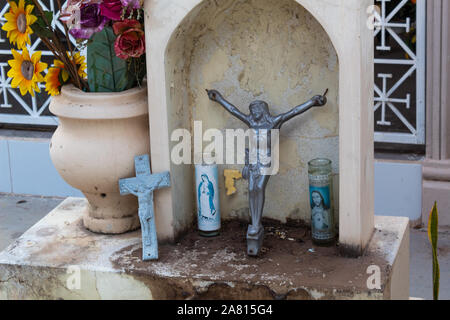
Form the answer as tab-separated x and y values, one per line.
254	170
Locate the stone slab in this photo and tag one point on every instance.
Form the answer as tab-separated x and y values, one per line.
58	259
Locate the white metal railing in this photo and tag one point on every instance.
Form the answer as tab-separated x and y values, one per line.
385	96
31	110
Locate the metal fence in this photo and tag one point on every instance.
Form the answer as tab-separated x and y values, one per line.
399	75
400	48
15	108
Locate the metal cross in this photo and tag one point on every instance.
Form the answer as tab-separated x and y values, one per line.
142	186
384	24
4	84
384	100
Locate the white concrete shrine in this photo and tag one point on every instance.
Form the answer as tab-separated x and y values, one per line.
37	264
346	23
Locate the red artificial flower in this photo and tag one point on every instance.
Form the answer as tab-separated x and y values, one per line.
111	9
130	42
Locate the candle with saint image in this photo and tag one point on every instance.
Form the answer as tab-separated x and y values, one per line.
321	201
207	196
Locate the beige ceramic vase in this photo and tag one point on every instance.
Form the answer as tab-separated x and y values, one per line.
98	136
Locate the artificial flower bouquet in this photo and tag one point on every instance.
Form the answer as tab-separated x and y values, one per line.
111	31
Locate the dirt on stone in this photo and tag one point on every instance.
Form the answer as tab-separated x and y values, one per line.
280	241
284	247
288	260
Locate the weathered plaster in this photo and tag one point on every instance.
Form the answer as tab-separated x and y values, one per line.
269	50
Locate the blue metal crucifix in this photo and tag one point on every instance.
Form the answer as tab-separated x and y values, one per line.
142	186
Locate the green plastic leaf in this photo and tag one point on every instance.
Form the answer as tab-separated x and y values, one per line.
107	72
40	27
433	223
41	32
40	19
48	16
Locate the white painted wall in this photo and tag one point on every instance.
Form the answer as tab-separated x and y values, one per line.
26	168
398	189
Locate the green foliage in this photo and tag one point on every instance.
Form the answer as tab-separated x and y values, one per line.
40	27
139	68
433	237
107	72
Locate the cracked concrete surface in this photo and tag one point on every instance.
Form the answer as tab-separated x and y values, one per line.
17	216
196	268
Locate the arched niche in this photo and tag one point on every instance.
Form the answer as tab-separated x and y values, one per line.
176	30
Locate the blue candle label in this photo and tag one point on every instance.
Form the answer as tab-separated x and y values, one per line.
322	219
207	191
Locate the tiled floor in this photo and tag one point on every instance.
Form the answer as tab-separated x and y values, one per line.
18	213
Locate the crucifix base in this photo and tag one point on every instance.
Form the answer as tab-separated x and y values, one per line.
254	243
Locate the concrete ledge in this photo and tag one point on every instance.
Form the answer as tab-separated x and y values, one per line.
26	135
58	253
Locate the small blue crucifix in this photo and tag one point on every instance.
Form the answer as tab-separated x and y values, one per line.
142	186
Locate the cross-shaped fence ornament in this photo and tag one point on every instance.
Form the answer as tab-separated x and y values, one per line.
385	100
5	83
384	23
142	186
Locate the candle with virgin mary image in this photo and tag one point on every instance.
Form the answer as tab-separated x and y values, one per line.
320	196
207	194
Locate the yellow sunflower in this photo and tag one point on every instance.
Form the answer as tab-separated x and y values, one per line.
55	78
19	19
57	75
26	71
80	61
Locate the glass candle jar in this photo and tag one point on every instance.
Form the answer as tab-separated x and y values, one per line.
207	196
321	200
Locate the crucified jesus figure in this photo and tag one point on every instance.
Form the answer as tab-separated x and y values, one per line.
262	122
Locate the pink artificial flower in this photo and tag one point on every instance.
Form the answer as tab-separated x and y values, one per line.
90	20
70	13
112	9
130	42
